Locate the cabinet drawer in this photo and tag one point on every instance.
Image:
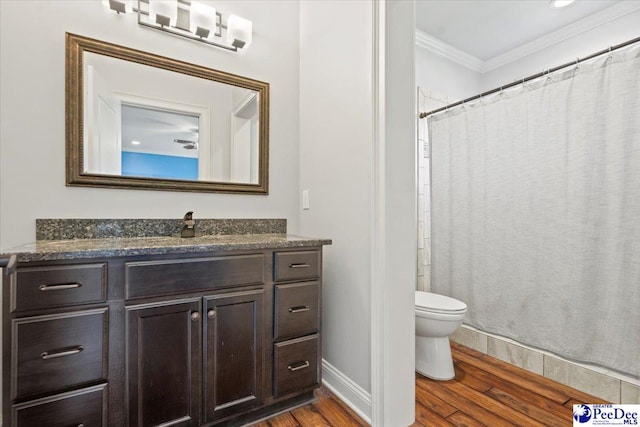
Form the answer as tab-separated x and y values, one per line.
58	351
45	287
86	407
296	310
154	278
296	365
296	265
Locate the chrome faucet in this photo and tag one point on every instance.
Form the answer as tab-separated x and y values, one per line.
189	226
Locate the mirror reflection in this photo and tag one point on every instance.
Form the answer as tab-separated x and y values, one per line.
159	143
153	122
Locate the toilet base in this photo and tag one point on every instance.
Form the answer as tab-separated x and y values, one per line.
433	358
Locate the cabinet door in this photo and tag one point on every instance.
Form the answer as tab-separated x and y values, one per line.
233	353
163	361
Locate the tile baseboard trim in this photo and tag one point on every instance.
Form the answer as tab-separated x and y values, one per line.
611	373
347	390
632	382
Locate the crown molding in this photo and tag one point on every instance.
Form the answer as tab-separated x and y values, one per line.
585	24
575	28
447	51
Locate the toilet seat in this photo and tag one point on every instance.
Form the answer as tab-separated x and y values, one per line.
435	303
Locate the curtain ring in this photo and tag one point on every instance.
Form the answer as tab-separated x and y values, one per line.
524	86
610	54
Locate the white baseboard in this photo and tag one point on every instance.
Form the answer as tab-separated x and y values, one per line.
346	390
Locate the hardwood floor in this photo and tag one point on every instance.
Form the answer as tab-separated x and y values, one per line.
488	391
328	411
485	392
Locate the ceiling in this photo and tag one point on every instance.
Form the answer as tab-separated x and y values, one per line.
155	130
487	29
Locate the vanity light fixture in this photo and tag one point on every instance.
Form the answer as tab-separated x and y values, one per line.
561	3
163	12
119	6
194	20
239	32
202	19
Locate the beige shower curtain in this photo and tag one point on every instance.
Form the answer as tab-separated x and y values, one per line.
536	211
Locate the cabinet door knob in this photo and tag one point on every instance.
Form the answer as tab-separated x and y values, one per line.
195	316
211	314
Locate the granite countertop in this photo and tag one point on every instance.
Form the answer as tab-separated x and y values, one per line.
49	250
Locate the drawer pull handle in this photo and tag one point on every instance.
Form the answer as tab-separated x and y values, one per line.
297	366
299	266
60	287
299	309
45	355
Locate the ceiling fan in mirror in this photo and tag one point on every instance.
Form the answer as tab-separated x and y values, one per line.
186	144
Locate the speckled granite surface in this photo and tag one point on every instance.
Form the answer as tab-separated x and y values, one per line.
60	239
49	250
66	229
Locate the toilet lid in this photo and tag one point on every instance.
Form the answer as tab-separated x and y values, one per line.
440	303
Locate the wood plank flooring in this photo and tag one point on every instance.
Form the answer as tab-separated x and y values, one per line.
485	392
328	411
488	391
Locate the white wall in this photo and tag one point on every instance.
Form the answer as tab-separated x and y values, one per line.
32	138
444	78
335	166
611	33
399	198
362	187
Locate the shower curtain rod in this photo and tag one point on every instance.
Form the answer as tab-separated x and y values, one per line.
535	76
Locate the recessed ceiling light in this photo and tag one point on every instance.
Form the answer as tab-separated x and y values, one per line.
561	3
134	142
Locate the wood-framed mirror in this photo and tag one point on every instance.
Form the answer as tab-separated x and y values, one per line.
143	121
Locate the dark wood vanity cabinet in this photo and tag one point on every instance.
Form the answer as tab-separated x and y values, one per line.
55	345
296	332
163	363
234	353
186	340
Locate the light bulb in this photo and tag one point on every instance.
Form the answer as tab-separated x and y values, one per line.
239	31
163	12
202	19
561	3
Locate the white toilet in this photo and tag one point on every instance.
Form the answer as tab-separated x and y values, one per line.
437	317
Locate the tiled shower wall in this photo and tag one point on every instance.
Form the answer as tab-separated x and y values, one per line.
426	102
608	385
